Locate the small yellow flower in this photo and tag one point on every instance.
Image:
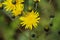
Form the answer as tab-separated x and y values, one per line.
16	8
30	20
8	5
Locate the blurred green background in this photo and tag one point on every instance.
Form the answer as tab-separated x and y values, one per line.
48	27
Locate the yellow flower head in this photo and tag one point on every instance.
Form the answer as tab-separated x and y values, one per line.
16	8
8	5
30	20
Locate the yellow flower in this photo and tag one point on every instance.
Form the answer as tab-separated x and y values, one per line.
30	20
18	9
8	5
15	8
